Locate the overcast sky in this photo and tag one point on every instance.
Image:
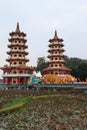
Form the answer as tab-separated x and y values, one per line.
39	19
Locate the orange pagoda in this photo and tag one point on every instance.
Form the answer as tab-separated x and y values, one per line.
56	58
17	72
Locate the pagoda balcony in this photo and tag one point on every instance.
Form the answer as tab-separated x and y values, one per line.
56	44
17	58
57	61
17	44
56	49
17	51
55	55
17	39
16	75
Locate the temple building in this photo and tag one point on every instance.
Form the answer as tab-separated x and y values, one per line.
56	63
17	72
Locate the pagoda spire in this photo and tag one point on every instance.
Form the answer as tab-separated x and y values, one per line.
18	28
55	35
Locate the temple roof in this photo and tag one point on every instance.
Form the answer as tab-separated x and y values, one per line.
56	38
17	31
63	68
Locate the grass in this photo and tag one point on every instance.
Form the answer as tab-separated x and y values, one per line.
17	103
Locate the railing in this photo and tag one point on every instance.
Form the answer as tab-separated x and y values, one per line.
16	75
72	87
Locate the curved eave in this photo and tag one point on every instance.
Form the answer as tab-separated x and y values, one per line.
51	56
16	45
16	67
55	39
60	69
52	50
17	52
57	44
17	59
17	39
17	33
57	62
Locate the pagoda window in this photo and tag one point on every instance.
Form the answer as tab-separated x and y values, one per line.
59	52
20	63
15	48
14	72
19	41
21	72
15	63
15	41
55	58
15	55
55	52
19	48
59	58
14	81
51	65
55	65
56	73
19	55
51	58
60	65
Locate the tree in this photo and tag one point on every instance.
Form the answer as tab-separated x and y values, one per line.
41	64
82	71
78	67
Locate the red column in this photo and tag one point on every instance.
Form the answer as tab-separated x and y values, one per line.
24	81
18	79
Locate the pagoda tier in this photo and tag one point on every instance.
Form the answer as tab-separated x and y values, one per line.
17	39
17	72
18	45
17	52
56	57
17	32
17	59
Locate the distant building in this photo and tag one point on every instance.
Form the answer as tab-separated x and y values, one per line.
56	58
17	72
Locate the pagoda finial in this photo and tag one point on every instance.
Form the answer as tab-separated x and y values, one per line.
17	28
55	36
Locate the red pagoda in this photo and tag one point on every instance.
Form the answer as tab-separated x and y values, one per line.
56	63
17	72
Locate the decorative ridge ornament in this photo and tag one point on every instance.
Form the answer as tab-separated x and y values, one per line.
17	28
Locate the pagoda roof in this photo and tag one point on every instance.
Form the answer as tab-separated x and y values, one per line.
17	52
17	31
16	67
56	49
17	59
56	38
17	44
56	61
61	69
55	55
18	39
56	44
